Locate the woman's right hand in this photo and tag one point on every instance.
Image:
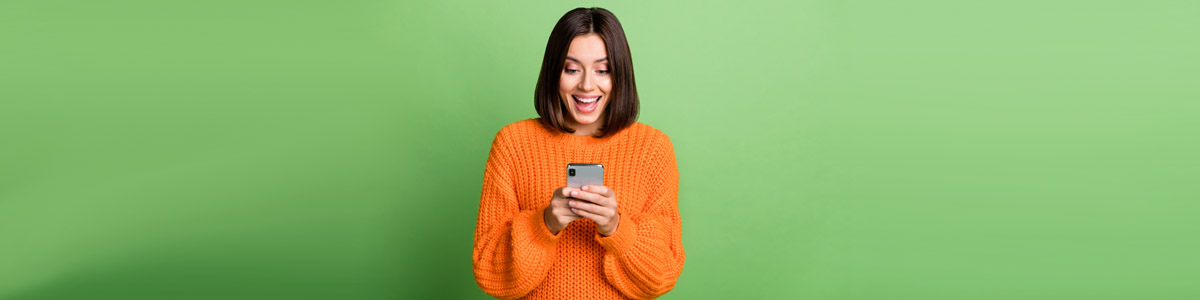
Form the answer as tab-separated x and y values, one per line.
558	214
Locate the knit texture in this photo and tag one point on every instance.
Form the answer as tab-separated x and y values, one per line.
516	256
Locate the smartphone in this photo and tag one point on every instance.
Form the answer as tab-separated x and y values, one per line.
579	175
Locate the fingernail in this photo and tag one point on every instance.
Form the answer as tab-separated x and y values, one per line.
574	193
585	187
572	203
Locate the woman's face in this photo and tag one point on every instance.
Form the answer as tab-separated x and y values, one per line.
585	81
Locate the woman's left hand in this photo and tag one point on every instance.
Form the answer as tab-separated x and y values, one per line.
599	204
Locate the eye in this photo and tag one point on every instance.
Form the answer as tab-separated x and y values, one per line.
602	71
571	71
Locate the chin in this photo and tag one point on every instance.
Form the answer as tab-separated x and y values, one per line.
587	120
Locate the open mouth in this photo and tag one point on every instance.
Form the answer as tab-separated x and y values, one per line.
586	104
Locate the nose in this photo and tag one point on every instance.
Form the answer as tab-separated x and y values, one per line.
586	84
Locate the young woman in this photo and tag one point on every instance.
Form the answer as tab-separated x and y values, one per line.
536	238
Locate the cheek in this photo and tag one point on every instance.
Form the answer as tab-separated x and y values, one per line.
566	84
604	84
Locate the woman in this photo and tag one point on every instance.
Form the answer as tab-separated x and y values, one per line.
536	238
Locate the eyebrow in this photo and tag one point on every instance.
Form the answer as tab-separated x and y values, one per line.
577	61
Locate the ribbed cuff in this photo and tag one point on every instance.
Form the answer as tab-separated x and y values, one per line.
534	223
622	239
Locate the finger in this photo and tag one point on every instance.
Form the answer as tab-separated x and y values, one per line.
599	189
598	199
563	211
566	191
591	216
608	194
592	197
589	207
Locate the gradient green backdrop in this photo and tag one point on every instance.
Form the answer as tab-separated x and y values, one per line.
827	149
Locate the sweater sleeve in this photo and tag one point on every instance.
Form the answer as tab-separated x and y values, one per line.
644	257
513	249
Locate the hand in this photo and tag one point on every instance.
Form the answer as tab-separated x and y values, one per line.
558	214
596	203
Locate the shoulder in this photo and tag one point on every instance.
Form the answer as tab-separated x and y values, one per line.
655	144
520	126
650	135
649	141
521	129
508	139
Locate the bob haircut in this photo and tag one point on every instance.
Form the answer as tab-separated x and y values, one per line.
622	108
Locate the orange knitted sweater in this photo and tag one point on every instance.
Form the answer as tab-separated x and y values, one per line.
516	256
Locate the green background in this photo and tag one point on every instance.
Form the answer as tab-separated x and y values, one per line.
827	149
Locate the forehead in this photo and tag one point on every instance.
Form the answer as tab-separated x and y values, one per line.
587	48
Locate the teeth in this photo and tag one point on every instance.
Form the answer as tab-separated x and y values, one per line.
587	100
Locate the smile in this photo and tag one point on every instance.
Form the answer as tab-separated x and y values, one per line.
586	104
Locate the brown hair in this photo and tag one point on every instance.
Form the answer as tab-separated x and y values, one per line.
622	108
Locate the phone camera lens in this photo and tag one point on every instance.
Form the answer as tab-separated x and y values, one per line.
571	172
